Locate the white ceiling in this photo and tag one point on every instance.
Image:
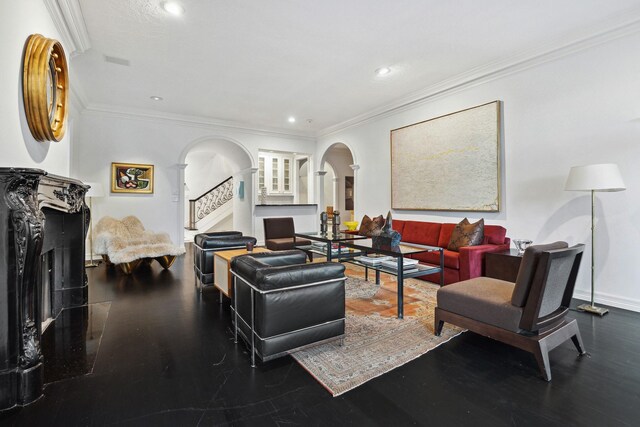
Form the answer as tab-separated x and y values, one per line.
257	62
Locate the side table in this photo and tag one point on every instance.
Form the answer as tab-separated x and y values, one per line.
503	265
222	268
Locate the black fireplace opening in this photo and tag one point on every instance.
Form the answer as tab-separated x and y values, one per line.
47	275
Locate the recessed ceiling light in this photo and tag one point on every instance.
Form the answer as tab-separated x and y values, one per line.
156	98
292	119
173	7
383	71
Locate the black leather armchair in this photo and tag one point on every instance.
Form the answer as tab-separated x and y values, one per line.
205	244
282	304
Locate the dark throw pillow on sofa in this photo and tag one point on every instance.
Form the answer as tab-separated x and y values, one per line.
466	234
368	226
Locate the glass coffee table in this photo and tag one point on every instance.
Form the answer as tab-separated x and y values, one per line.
329	244
395	264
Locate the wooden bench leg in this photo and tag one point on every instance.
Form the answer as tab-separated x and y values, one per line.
541	354
437	323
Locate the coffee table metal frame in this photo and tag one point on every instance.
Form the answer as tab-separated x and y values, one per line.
398	252
329	239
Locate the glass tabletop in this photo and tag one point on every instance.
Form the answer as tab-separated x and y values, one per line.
330	237
402	249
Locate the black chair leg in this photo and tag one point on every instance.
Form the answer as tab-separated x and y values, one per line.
577	341
437	324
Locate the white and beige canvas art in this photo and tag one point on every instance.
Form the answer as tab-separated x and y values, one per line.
449	163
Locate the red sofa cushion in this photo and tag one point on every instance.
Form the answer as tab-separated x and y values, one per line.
445	234
451	258
494	234
423	233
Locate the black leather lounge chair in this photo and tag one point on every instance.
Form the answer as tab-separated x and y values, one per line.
281	304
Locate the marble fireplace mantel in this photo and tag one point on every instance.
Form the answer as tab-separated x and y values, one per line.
43	225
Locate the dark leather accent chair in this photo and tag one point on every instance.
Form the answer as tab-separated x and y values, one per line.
528	314
282	304
279	235
205	244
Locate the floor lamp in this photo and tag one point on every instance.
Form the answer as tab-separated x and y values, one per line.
602	177
96	190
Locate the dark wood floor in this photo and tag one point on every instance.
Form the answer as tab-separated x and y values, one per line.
167	357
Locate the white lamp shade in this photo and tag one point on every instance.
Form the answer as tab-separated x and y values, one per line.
96	190
602	177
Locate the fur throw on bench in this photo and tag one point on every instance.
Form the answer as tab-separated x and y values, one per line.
126	242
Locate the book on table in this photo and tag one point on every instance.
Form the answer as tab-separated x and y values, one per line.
407	263
373	259
335	247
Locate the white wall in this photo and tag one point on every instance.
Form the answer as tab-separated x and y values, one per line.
104	137
576	110
18	20
208	168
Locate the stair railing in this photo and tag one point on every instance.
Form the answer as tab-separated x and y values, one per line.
210	201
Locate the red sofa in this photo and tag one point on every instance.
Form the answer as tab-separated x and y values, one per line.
463	265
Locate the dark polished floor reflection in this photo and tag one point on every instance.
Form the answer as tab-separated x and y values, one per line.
71	343
167	358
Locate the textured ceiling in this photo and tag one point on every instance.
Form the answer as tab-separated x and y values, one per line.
259	61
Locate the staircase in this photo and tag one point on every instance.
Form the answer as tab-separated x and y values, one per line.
211	208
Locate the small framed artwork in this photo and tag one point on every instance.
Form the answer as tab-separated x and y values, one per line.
131	178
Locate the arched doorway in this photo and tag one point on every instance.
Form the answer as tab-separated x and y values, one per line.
340	166
217	187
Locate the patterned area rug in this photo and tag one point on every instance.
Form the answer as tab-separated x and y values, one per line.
376	341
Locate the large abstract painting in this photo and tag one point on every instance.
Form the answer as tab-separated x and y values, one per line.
449	163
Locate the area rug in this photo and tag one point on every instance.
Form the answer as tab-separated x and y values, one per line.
376	341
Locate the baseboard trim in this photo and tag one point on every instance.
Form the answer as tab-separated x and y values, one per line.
608	299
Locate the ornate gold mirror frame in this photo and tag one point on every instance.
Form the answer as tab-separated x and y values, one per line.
45	81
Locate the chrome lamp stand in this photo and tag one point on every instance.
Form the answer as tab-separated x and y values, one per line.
591	308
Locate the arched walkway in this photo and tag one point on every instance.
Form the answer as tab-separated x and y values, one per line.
340	158
207	161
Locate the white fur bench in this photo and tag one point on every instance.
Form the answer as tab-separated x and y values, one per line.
126	243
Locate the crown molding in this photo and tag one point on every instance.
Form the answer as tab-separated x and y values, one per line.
69	21
77	97
194	121
550	50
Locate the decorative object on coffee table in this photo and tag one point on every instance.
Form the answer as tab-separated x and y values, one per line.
600	177
324	223
386	236
351	225
522	245
335	222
